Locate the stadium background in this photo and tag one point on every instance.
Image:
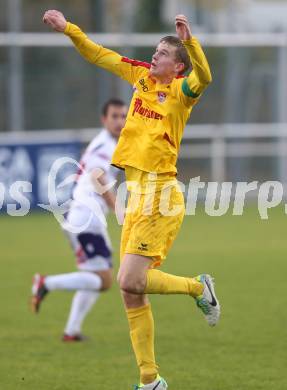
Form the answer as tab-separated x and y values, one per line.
50	102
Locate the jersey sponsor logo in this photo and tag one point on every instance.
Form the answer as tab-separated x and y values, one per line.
138	108
161	97
143	85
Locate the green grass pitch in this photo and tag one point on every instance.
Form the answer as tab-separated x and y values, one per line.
247	351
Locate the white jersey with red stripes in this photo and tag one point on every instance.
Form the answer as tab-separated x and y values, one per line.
98	155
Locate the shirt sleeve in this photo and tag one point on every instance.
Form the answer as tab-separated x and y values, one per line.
128	69
199	78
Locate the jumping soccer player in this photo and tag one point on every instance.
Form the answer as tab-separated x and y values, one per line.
148	147
88	235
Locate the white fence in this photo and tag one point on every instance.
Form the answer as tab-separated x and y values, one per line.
144	40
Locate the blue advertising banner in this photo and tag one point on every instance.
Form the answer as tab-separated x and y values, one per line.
24	173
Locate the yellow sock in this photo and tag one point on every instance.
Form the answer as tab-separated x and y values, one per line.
162	283
142	335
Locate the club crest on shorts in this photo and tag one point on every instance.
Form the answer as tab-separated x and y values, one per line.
161	97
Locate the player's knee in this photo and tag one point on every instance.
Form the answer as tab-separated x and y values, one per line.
129	284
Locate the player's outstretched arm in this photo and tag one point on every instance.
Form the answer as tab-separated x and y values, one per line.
91	51
200	76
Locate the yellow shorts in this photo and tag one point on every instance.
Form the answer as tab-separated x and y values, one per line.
151	223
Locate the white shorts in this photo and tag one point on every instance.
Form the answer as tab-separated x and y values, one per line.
91	244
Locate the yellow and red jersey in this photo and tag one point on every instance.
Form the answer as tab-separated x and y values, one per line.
157	115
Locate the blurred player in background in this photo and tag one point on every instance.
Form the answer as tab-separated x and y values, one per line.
91	242
149	143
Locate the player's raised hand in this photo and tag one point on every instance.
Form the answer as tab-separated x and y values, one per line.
55	19
182	27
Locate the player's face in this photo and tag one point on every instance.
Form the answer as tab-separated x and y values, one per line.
164	64
115	119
